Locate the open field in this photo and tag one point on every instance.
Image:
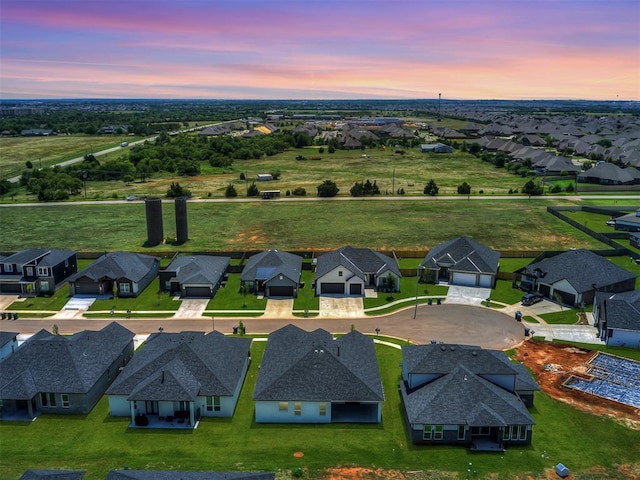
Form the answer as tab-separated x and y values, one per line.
46	151
518	224
98	442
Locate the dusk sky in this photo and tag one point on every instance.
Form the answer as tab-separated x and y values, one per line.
331	49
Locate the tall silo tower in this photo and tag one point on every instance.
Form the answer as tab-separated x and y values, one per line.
155	233
182	225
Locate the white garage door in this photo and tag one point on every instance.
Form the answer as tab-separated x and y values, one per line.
464	279
485	281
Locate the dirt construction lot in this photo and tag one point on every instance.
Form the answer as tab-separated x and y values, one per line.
562	360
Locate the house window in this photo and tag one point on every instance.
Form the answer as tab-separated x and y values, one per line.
297	408
506	433
8	268
323	409
48	399
461	432
213	404
427	432
43	272
438	432
340	273
283	406
432	432
65	400
522	435
125	288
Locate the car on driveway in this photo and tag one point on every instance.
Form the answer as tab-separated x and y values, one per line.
532	298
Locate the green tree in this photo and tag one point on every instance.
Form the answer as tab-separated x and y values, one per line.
176	190
464	188
328	188
532	188
431	188
230	191
252	190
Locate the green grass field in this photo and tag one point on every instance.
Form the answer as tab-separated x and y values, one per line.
303	226
97	442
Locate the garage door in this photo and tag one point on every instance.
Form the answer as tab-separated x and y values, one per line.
464	279
567	298
355	289
281	291
86	289
10	288
332	288
197	292
485	281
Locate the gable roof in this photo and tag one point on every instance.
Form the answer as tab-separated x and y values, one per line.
25	256
55	363
360	261
266	265
198	269
610	172
313	366
443	358
182	366
116	265
463	398
462	254
621	310
581	268
188	475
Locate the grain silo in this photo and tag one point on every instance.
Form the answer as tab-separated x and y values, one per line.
182	225
153	207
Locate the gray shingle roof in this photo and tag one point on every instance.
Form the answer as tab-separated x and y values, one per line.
116	265
622	310
53	363
267	265
36	474
198	269
581	268
181	366
177	475
313	366
360	261
6	337
24	256
463	254
443	358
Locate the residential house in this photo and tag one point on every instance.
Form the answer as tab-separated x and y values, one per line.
194	276
435	148
38	474
634	239
617	317
36	271
464	395
273	273
60	374
461	261
609	174
8	344
312	377
176	378
349	270
629	222
186	475
574	277
121	274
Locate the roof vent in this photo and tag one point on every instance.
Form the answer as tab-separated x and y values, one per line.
474	353
443	348
452	348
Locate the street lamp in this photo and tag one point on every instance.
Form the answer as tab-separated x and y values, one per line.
415	310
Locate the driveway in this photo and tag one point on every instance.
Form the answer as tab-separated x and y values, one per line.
279	308
467	295
192	308
341	307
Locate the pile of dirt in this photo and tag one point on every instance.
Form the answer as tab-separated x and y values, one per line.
553	363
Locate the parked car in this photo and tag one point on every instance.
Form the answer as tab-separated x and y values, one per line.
531	298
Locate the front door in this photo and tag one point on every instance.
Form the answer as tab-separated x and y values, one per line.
151	407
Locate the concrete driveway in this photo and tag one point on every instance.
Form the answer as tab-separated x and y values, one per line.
341	307
192	308
467	295
279	308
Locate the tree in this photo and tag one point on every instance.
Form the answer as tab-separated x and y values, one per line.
230	191
532	188
176	190
328	188
252	190
431	188
28	164
464	189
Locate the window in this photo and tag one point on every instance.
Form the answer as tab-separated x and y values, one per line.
433	432
283	406
323	409
43	272
297	408
8	268
461	432
523	432
48	399
506	433
209	404
438	433
427	432
125	288
340	273
65	400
